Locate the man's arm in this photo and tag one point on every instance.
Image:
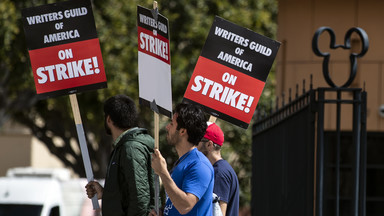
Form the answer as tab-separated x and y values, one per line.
183	202
223	207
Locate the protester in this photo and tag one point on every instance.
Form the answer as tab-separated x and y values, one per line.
189	185
226	182
129	188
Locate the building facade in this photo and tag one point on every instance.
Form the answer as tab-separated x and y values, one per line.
298	20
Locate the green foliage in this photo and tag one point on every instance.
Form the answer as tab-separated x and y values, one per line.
116	25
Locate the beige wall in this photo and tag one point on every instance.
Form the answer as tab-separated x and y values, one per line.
41	157
297	22
15	151
20	149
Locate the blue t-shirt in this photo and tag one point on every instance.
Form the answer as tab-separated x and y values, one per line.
193	174
227	186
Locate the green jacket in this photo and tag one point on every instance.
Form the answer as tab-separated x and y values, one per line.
129	184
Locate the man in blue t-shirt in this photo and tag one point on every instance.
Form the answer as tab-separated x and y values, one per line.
226	182
189	185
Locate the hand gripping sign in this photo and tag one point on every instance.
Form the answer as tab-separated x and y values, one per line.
65	57
231	71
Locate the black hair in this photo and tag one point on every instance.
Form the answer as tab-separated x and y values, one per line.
122	111
192	118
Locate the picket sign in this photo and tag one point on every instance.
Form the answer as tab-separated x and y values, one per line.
154	70
231	72
83	145
60	64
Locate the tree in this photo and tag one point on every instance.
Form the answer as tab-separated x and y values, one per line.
51	120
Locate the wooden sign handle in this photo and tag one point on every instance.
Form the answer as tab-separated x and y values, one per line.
156	132
154	4
212	119
83	145
156	135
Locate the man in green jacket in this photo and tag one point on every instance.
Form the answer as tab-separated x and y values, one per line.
129	188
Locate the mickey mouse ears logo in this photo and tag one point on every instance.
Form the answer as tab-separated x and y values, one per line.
347	45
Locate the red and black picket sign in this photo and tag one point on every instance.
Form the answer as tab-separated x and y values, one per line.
154	61
64	48
153	34
231	72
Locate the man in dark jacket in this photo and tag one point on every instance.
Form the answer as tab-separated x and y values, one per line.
129	188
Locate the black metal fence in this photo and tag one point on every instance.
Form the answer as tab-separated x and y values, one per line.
299	168
282	157
302	167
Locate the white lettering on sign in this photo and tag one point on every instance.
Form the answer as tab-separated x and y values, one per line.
55	16
260	48
231	36
148	20
235	61
69	70
238	39
154	45
60	36
65	54
222	93
162	27
152	22
49	17
229	78
76	12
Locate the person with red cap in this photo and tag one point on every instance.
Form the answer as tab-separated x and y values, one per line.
226	185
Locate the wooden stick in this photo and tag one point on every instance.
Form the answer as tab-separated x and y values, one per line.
154	4
75	108
156	132
156	135
157	179
83	145
212	119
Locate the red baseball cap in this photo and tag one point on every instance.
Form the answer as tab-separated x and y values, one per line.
214	133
